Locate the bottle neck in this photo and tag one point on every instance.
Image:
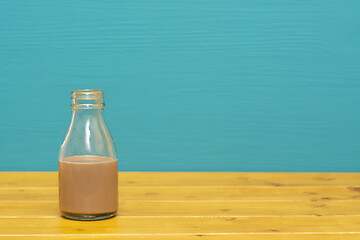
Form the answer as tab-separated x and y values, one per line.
88	133
88	113
96	104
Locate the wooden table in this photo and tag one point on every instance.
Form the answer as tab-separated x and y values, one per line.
211	206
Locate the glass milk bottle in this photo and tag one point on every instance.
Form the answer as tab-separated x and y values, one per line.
88	172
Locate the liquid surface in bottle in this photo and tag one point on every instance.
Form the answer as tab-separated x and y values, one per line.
88	184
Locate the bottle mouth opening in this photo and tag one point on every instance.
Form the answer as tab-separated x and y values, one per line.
87	94
87	98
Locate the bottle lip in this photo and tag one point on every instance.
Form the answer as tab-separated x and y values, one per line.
87	98
87	94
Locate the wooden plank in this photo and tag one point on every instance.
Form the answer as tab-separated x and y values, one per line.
264	236
193	225
252	209
49	179
197	208
256	193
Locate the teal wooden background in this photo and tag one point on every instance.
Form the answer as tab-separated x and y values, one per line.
191	85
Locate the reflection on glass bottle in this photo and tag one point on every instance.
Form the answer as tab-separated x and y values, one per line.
88	173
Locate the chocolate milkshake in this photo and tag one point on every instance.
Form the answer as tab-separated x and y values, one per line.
87	161
88	186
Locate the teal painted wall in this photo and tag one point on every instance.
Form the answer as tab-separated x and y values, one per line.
191	85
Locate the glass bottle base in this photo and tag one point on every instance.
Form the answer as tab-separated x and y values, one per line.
88	217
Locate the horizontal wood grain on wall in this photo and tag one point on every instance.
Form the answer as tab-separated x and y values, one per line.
189	85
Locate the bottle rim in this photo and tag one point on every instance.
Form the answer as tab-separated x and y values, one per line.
87	98
87	94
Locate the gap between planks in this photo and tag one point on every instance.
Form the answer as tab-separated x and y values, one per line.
217	236
224	216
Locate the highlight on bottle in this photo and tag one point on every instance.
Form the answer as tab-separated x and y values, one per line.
87	98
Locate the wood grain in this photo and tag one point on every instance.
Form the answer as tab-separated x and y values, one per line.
190	225
38	209
163	206
163	179
207	236
178	193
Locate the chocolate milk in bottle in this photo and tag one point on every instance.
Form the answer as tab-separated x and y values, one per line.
88	172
